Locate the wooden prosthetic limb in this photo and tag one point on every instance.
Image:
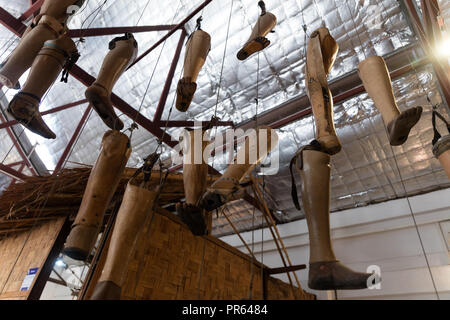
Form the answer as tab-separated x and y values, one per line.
195	173
321	54
137	204
248	156
21	59
48	25
441	151
377	82
123	52
51	59
197	49
325	272
102	184
258	41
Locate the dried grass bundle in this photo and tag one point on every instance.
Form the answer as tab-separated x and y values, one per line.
40	199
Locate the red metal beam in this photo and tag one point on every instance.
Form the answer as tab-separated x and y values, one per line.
95	32
73	140
35	6
12	173
12	165
54	110
11	23
120	104
187	124
165	93
171	32
425	35
18	147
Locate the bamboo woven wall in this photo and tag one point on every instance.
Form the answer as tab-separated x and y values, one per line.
21	251
170	263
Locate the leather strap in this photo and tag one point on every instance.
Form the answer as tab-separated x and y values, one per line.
127	36
30	95
437	135
314	145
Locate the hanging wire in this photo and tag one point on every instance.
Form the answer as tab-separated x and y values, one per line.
142	13
134	124
403	183
95	13
356	28
221	73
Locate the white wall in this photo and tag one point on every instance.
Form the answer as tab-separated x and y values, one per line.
382	234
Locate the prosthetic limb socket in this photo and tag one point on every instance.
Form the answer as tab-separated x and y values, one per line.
441	145
101	186
48	25
195	173
325	272
24	107
137	204
321	55
377	82
123	52
254	150
258	41
197	49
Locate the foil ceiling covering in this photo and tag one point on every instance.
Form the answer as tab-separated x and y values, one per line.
364	172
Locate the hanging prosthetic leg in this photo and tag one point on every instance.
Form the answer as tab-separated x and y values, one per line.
137	204
123	52
48	25
197	49
103	181
195	173
258	41
248	156
325	271
321	54
53	57
441	145
377	81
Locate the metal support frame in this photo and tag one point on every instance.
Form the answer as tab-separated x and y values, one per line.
272	117
426	31
73	140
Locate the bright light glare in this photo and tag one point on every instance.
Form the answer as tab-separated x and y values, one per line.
443	49
60	263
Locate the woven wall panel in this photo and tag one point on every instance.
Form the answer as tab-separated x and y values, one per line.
21	251
169	263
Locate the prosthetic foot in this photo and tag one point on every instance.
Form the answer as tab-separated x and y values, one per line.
48	25
24	107
377	81
101	186
321	54
198	47
123	52
195	173
258	41
325	272
137	204
248	156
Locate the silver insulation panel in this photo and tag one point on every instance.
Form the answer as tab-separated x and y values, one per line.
364	172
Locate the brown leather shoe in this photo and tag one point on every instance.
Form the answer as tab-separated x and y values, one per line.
333	275
192	216
24	108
